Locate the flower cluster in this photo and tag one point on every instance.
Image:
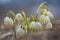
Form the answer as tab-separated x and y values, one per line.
35	26
45	19
8	21
32	23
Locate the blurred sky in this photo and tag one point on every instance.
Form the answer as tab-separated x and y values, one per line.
29	6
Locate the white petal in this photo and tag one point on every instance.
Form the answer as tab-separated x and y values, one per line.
50	14
6	19
18	16
42	19
11	20
20	31
45	10
38	24
18	26
32	24
49	25
46	19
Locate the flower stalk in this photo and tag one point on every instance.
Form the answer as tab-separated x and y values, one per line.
14	29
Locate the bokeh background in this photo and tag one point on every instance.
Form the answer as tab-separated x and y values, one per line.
29	6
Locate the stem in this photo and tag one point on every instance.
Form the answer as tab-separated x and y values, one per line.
14	29
36	17
27	26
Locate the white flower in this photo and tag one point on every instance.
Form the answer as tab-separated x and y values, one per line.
19	30
45	11
48	13
32	24
46	19
49	25
8	21
38	25
18	16
35	25
18	26
41	19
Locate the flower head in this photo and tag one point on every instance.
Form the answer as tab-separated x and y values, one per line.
38	25
8	21
19	30
32	24
48	13
46	19
41	19
18	16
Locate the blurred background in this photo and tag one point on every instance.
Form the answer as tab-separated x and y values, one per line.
29	6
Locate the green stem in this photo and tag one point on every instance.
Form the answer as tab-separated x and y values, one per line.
36	17
14	29
27	26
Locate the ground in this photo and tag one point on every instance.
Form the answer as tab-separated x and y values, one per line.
6	33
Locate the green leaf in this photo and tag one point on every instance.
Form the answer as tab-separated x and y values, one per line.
11	14
31	18
39	8
24	20
45	7
24	16
23	13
